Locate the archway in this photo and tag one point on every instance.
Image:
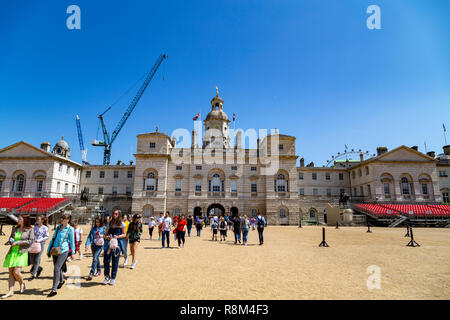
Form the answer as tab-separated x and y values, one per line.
197	212
234	212
215	210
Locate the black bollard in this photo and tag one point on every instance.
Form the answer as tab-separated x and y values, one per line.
337	225
368	228
407	231
323	243
412	243
1	230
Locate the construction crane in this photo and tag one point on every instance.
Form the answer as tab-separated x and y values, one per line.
107	140
80	139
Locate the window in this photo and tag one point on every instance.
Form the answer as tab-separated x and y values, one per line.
116	174
87	190
216	183
102	174
300	175
177	185
342	190
425	189
198	167
445	197
282	213
327	176
367	171
130	174
19	183
234	186
328	192
254	212
314	176
254	187
1	185
128	191
405	186
179	168
369	192
353	174
68	170
88	174
387	190
114	190
253	168
442	174
312	214
66	188
315	192
281	183
341	176
362	190
152	145
58	187
280	147
176	211
354	192
150	182
234	168
360	172
301	192
73	188
198	186
60	167
39	185
100	190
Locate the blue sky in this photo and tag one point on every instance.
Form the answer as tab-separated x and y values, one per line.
312	69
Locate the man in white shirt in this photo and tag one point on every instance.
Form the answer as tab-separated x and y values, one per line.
160	220
167	227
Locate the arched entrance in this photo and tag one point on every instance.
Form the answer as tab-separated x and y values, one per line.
216	210
234	212
197	212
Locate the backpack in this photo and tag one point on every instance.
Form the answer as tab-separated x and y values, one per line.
260	223
222	224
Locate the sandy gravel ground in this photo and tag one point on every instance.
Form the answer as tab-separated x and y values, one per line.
289	265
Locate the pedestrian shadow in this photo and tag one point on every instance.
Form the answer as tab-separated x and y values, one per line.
35	292
159	248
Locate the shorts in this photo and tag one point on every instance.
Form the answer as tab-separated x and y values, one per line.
130	241
223	233
77	246
214	231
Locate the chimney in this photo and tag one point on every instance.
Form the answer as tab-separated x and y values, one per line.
302	162
431	154
415	148
131	162
381	150
194	138
45	146
311	164
446	149
174	142
257	146
361	157
119	162
239	139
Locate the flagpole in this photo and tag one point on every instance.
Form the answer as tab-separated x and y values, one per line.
445	136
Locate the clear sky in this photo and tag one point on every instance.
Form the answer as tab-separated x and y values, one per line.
311	68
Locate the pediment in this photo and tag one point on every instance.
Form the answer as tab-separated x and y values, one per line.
233	177
405	154
23	150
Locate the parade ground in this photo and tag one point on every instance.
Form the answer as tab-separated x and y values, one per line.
290	265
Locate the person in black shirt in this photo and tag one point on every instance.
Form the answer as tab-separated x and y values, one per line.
189	225
237	229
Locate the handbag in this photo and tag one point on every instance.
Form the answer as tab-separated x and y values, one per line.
56	251
35	248
99	241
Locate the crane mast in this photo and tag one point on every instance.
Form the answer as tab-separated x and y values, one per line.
109	140
81	141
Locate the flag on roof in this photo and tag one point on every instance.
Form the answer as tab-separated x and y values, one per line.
197	116
234	117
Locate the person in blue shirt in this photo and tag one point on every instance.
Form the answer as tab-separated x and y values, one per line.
63	237
96	239
260	224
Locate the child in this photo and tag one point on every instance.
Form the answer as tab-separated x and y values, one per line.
223	229
151	226
214	226
78	239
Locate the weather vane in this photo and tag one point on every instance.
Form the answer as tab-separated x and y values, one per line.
217	91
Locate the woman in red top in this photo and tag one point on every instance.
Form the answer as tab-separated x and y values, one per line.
181	230
175	223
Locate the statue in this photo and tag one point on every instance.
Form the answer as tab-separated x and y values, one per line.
84	195
343	198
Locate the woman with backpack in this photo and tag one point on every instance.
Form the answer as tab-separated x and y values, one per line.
63	238
20	240
41	235
223	229
114	234
96	239
261	223
245	229
134	236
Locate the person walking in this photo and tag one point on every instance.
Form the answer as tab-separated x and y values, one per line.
199	226
253	223
125	240
261	224
62	239
223	229
167	225
237	229
114	235
96	239
41	235
20	240
134	236
160	225
181	230
175	224
151	226
245	228
214	228
189	221
78	239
